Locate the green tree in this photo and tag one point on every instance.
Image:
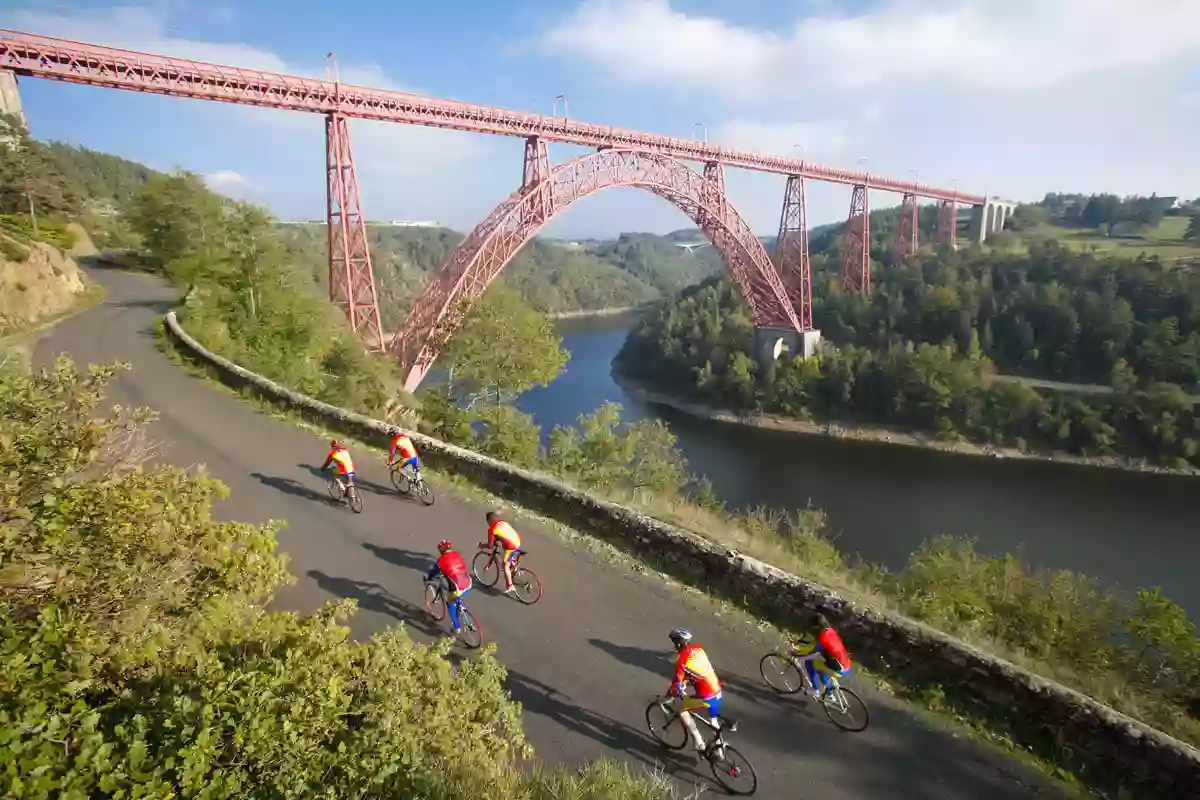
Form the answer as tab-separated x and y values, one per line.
503	349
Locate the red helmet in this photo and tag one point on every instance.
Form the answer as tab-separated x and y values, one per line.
444	545
335	445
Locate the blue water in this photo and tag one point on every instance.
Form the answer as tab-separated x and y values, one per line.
882	502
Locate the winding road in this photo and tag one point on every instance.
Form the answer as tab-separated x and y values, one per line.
585	661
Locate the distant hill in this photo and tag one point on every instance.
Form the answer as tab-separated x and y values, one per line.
552	275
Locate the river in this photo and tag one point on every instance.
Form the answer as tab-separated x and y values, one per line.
1128	529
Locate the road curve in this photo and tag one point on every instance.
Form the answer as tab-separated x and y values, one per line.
585	661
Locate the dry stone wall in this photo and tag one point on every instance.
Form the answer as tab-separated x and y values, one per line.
1038	712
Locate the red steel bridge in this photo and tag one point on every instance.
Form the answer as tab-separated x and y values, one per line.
778	291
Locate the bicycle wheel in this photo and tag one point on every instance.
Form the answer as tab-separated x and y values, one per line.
400	481
665	726
425	493
335	491
840	706
528	586
487	571
781	673
732	767
355	500
435	602
469	632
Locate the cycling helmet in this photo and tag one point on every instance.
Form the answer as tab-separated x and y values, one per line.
493	516
395	431
823	622
680	637
335	444
445	545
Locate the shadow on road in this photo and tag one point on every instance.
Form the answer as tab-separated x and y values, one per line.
292	487
360	482
545	701
159	307
373	597
407	559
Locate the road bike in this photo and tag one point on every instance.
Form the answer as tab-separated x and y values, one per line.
469	632
408	479
348	495
728	764
784	672
487	569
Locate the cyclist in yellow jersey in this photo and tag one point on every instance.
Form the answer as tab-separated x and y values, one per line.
501	531
343	464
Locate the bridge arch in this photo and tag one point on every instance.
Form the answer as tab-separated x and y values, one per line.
484	253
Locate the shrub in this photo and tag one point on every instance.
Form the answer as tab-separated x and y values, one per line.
137	657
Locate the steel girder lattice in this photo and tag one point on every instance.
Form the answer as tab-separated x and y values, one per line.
791	250
351	279
37	56
947	230
856	249
907	229
481	256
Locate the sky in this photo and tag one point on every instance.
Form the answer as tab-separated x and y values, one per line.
1012	98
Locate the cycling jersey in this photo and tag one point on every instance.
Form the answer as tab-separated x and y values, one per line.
452	565
402	444
833	649
505	533
345	464
692	666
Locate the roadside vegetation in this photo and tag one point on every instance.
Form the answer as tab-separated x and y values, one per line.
138	657
204	585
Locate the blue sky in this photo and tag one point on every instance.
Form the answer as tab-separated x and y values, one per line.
1012	97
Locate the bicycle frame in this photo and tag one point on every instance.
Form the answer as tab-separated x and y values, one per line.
718	741
830	687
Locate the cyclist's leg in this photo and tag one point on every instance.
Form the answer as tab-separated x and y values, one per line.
349	476
510	554
413	463
454	605
822	670
696	704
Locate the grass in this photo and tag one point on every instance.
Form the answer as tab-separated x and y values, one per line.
1164	240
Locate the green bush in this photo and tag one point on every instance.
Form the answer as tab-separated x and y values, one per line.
137	657
52	230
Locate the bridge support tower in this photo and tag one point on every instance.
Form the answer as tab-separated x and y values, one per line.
351	277
856	248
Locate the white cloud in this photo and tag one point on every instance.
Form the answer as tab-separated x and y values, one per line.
225	179
1000	45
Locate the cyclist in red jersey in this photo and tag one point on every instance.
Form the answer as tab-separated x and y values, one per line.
824	655
692	667
453	568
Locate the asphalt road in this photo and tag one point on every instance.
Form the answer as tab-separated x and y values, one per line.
585	661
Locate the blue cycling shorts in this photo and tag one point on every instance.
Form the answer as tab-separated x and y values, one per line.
711	704
411	462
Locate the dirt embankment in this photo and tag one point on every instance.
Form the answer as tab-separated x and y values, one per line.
38	280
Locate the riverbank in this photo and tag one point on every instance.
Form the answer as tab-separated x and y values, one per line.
877	434
595	313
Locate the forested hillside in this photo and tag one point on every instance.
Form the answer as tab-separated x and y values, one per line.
921	352
550	275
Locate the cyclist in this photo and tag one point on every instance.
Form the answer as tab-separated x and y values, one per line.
453	568
343	464
693	667
501	531
408	451
823	655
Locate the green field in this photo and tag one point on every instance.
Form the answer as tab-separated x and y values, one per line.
1164	240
